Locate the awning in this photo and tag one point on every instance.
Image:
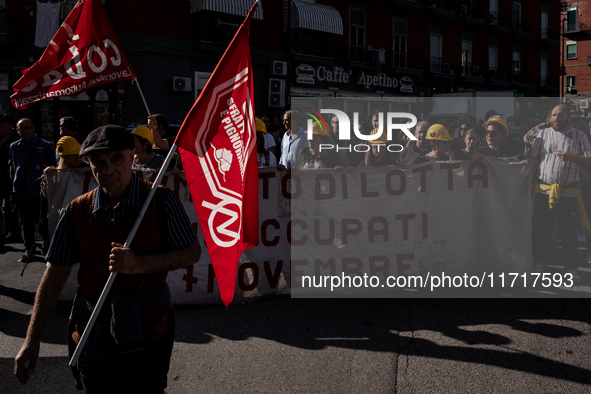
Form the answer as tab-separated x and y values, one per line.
311	16
233	7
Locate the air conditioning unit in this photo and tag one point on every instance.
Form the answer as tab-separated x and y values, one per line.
276	92
279	68
568	89
475	69
446	67
584	104
180	84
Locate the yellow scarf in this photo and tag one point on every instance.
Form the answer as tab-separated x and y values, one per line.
554	200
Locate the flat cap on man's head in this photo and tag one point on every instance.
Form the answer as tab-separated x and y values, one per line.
107	138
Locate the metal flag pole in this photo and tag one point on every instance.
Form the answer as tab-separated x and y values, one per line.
141	94
113	275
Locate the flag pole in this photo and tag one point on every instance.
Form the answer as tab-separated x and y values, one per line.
141	94
113	275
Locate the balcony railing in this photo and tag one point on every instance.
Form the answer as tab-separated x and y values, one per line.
496	74
321	48
363	54
549	34
403	60
8	21
521	77
439	65
469	70
496	19
548	82
522	26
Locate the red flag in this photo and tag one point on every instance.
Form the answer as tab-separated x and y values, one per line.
217	143
84	53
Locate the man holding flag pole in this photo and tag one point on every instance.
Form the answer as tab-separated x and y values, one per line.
132	340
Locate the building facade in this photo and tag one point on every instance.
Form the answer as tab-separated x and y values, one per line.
397	51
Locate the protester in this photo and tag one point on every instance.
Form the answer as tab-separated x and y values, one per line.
342	148
68	148
9	230
144	157
28	158
497	143
560	151
69	128
264	157
313	157
269	141
378	155
293	141
439	140
131	343
470	145
458	144
416	149
159	126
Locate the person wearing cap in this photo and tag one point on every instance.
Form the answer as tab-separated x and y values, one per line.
560	152
68	149
144	157
9	229
497	141
313	157
131	343
269	140
378	154
440	140
418	149
69	128
29	156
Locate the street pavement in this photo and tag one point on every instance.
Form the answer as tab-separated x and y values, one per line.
285	345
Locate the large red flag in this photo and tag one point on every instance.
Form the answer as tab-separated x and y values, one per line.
84	53
217	143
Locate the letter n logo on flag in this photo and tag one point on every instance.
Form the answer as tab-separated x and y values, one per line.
217	143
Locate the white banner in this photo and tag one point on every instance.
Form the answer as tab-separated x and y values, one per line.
456	217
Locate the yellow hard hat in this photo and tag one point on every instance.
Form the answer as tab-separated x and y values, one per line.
318	129
67	146
381	140
145	133
438	132
261	126
498	120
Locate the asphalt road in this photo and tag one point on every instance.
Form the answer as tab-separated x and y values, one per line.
284	345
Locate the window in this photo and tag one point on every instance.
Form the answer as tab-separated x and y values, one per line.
357	27
570	81
466	57
571	49
516	61
399	43
543	71
571	19
492	57
435	51
544	24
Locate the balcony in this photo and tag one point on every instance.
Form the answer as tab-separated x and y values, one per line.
8	22
521	29
471	15
548	82
440	67
521	78
441	8
404	61
363	54
548	37
576	32
498	22
414	5
469	72
497	76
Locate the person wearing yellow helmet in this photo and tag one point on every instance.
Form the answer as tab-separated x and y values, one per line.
144	157
378	154
440	141
313	157
416	150
497	143
67	149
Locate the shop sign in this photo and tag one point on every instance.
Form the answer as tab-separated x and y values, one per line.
406	84
101	95
306	74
